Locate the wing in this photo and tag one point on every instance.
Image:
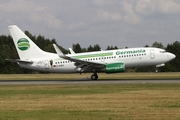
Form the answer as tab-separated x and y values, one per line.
83	64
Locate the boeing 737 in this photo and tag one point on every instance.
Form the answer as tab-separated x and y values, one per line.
108	61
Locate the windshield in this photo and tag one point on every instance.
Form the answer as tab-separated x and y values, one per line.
162	51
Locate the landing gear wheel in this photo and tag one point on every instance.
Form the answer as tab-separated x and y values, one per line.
94	77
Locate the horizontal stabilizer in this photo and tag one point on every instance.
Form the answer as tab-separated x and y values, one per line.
20	61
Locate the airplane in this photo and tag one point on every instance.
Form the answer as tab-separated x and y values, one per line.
109	61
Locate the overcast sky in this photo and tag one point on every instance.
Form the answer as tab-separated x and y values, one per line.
121	23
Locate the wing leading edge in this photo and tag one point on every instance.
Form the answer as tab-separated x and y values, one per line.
83	64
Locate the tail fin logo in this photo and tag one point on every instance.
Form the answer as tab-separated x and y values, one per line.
23	44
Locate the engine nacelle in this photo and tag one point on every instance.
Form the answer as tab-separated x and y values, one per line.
115	68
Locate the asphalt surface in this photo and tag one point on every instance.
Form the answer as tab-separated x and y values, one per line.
85	81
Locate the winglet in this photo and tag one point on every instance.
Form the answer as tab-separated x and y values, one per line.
71	51
58	51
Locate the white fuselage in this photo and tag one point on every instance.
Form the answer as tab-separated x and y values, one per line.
132	57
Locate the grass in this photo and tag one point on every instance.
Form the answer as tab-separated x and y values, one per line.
170	75
90	102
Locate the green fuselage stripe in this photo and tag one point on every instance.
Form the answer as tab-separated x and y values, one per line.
93	55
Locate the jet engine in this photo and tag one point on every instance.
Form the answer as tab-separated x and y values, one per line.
115	68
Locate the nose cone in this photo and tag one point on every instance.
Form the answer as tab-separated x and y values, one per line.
171	56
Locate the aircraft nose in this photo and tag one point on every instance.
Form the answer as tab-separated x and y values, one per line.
171	56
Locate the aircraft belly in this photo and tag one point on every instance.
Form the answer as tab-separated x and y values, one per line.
63	70
138	63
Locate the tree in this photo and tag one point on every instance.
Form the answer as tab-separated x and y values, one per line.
83	50
112	48
158	45
108	48
96	47
63	49
33	38
77	48
90	49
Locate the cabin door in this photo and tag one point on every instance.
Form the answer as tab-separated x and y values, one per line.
46	63
152	54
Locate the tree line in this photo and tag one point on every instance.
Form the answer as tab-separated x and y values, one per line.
8	51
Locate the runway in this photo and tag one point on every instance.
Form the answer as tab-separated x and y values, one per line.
53	82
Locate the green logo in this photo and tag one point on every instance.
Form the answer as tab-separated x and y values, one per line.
23	44
130	52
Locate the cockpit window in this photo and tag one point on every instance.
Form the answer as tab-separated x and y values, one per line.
163	51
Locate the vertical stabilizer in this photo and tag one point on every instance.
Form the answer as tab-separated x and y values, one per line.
25	47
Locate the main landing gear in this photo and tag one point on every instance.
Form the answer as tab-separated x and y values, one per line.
94	76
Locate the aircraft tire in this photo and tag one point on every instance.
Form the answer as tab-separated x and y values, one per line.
94	77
